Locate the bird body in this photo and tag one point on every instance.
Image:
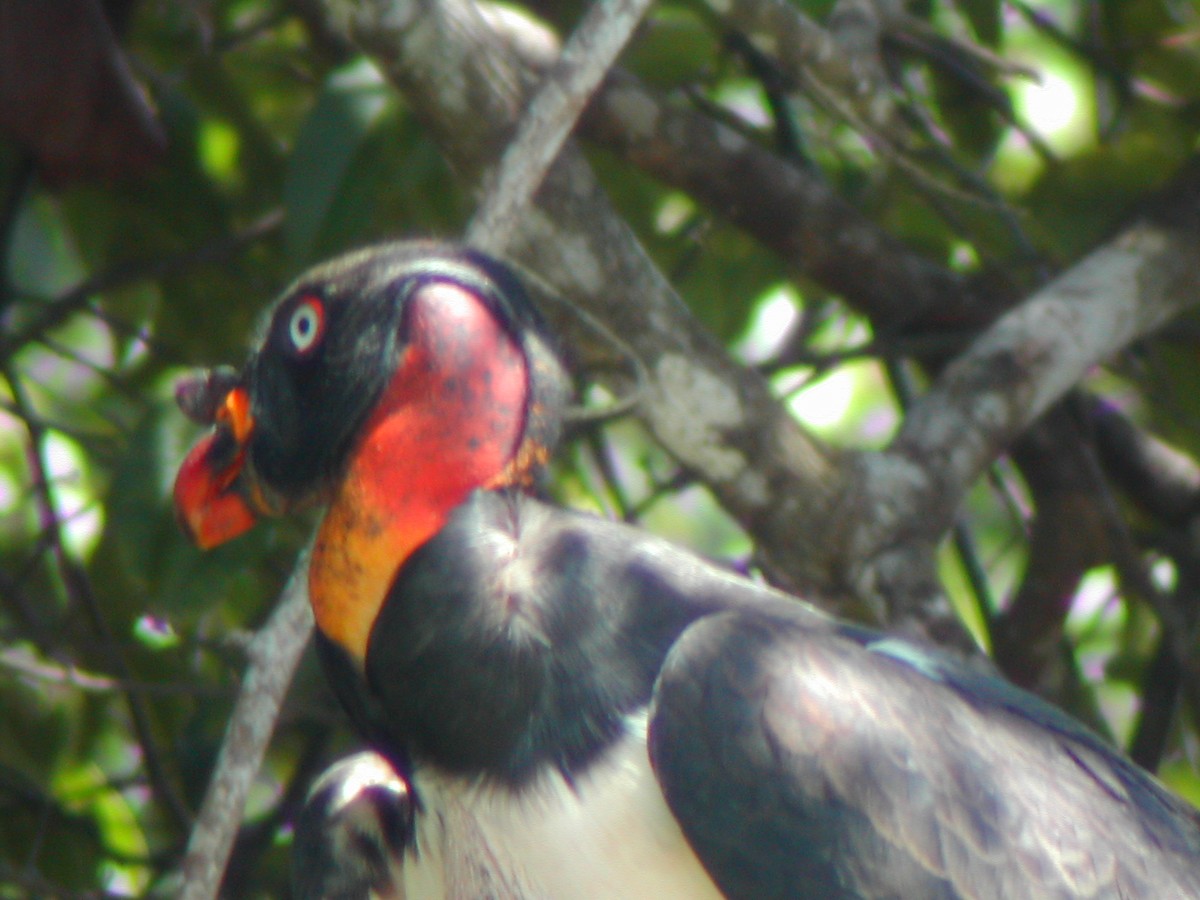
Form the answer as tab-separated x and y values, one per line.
581	709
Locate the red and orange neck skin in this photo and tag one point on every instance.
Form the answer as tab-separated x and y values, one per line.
450	421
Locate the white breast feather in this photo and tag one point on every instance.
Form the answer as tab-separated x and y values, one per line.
611	835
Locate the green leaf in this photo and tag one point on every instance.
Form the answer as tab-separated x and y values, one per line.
347	111
984	16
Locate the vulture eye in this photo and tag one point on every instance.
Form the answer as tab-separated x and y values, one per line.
306	325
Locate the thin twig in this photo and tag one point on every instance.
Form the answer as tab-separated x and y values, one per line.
79	589
566	89
35	625
14	199
23	664
65	305
37	886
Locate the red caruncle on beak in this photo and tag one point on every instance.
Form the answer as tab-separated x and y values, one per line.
208	504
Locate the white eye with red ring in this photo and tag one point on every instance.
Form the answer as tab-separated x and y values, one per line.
306	325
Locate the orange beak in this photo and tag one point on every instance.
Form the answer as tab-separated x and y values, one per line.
207	501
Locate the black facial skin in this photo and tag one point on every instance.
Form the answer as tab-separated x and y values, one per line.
308	406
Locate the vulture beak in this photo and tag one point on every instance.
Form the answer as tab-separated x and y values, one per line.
209	493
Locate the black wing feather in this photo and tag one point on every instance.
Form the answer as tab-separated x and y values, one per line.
809	764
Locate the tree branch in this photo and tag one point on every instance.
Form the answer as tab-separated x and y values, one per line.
274	654
1036	353
841	63
57	310
1018	368
718	418
788	209
566	88
1068	537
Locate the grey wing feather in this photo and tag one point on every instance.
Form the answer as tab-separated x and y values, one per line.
804	763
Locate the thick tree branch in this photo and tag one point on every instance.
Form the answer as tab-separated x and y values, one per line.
790	210
1068	538
1012	374
1033	355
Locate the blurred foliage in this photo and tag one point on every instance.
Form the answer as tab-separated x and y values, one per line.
120	645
